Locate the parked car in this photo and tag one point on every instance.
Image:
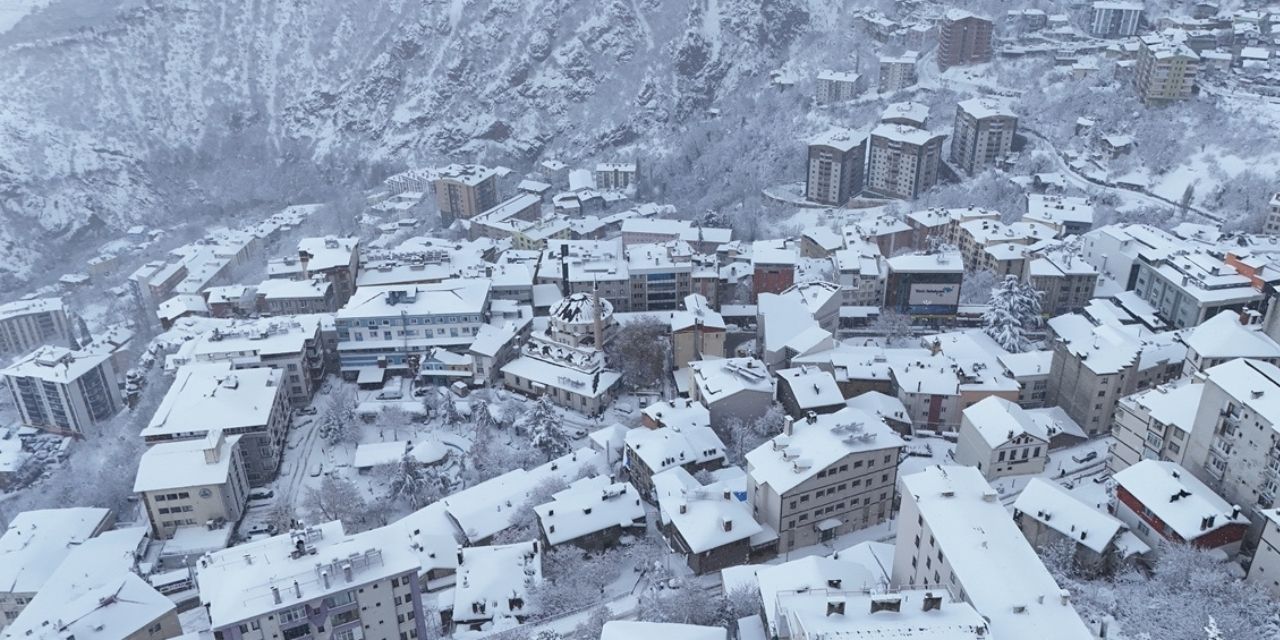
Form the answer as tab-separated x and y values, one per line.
1088	457
307	411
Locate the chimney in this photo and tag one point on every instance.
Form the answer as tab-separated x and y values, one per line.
564	267
1065	596
324	577
726	524
304	259
931	602
886	603
788	426
297	590
346	571
836	607
1235	512
275	594
812	417
684	508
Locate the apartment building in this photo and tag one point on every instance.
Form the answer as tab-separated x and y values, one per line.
832	86
660	275
294	585
953	532
27	324
1000	438
1066	215
64	391
860	272
898	72
464	190
279	297
708	524
292	345
983	134
702	239
192	483
924	285
336	260
1065	281
1108	19
773	267
824	476
1116	250
649	452
1162	503
592	513
1222	338
616	175
247	402
1050	517
1154	424
908	114
1188	288
903	161
33	544
835	166
963	39
740	388
1264	568
1166	69
391	327
1096	365
1233	445
697	332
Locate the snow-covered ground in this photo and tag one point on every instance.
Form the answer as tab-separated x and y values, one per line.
13	11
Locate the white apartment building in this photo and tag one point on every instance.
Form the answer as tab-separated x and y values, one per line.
1234	445
1272	226
211	397
739	388
1154	425
1188	288
824	476
1110	19
1222	338
1166	68
1264	569
837	86
389	327
903	161
292	345
64	391
356	586
954	534
1000	438
983	133
898	72
860	272
27	324
192	483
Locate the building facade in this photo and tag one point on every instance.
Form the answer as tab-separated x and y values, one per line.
983	134
903	161
64	391
963	39
836	167
27	324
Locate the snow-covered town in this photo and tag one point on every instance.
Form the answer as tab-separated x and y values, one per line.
717	321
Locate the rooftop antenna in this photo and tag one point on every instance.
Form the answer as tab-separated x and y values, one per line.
597	324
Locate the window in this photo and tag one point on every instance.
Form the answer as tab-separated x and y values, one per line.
293	615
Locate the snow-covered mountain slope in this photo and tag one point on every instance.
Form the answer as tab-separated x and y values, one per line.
158	110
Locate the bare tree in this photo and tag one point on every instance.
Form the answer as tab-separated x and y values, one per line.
640	352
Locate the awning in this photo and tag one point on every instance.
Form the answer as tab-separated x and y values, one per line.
829	524
371	375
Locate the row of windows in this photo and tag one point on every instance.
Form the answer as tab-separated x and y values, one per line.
182	495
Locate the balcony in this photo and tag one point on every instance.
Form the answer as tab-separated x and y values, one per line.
1221	447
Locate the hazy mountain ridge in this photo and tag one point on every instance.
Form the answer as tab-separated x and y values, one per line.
137	119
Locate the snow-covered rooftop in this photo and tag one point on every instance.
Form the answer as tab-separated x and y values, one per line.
453	297
254	579
998	421
187	463
707	517
1051	505
839	138
493	582
811	387
37	541
58	365
205	397
987	107
1177	498
674	446
995	566
589	506
1222	336
718	379
815	443
903	133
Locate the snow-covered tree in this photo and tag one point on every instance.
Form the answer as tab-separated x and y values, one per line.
977	286
481	416
742	436
543	425
894	327
524	525
1014	307
337	499
448	407
416	484
639	351
338	415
